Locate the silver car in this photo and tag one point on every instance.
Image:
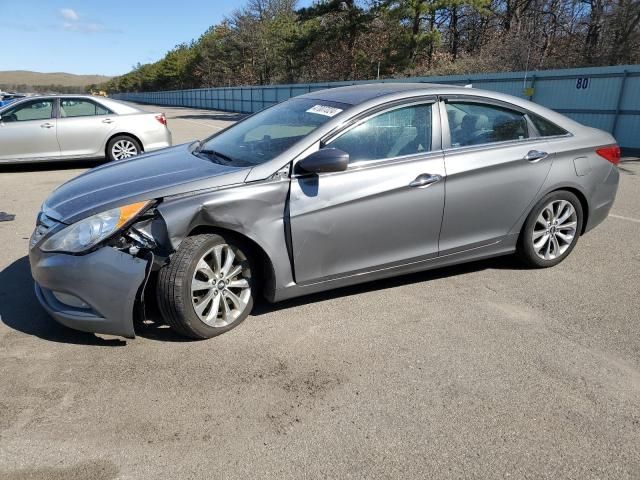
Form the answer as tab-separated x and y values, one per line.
77	127
329	189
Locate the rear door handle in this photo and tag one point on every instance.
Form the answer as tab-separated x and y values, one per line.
108	120
424	180
47	125
535	156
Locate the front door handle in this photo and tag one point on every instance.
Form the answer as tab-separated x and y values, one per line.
47	125
424	180
535	156
108	120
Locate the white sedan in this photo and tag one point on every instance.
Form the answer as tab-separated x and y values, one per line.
67	127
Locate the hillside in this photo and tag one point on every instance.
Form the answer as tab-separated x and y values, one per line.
24	77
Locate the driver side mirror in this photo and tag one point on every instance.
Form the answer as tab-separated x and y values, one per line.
325	160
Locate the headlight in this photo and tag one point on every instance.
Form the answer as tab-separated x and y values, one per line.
86	233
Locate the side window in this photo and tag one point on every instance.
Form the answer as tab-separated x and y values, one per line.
34	110
545	127
101	110
477	124
76	107
404	131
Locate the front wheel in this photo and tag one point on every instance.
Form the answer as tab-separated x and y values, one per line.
551	230
121	147
207	288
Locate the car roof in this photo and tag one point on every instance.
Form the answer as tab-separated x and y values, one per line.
64	95
46	96
356	94
366	95
115	105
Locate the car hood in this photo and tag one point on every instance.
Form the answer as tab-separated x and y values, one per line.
153	175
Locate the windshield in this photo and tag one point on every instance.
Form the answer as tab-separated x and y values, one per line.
270	132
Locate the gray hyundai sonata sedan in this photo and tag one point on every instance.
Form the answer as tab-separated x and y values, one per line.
328	189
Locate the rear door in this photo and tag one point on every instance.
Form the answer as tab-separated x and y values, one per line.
495	164
83	127
385	210
28	131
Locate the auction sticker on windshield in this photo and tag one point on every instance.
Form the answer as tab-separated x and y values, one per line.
324	110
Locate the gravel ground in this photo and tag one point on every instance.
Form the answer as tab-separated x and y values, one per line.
480	371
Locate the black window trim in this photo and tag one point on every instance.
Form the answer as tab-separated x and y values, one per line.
531	127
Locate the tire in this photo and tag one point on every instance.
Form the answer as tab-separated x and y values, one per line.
121	147
551	230
191	312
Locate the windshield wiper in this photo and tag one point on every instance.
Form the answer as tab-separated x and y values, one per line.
222	156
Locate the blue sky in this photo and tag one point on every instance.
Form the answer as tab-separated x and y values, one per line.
100	37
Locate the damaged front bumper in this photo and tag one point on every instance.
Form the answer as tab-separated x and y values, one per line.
104	286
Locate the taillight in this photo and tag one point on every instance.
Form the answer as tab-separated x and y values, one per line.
610	153
161	118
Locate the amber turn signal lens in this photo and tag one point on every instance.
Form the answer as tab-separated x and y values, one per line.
129	211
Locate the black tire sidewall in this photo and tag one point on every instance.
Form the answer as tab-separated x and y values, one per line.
526	250
188	315
118	138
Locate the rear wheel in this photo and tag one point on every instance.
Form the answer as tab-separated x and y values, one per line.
551	230
123	146
207	288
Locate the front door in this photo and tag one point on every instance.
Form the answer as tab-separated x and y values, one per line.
28	131
385	210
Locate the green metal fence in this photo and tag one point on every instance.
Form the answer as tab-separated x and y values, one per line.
603	97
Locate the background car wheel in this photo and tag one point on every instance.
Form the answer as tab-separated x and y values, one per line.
551	230
207	288
121	147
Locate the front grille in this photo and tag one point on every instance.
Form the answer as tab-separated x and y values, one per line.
43	225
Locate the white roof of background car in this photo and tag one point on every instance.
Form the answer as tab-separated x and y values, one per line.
116	106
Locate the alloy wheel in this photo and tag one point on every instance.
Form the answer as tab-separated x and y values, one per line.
555	229
219	291
124	149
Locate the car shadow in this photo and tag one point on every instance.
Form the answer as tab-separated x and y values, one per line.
624	162
20	310
48	166
506	262
153	328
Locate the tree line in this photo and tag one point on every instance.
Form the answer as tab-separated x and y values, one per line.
51	88
275	41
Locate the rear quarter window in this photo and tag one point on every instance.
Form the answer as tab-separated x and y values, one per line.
545	127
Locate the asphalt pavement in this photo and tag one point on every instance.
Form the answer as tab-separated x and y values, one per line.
485	370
